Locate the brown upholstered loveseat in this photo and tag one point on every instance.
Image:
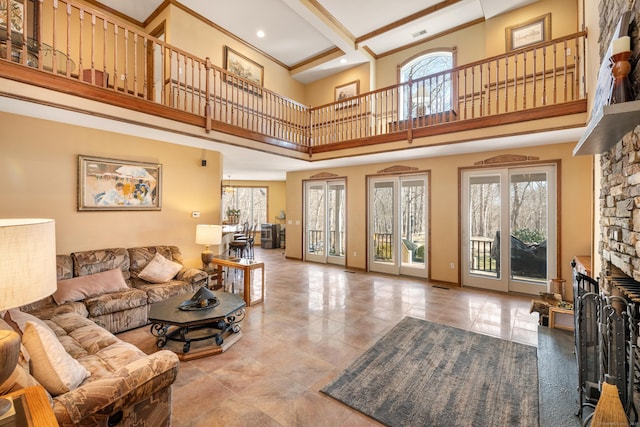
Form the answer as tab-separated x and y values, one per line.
123	309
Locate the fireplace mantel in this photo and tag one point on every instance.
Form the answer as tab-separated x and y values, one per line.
608	126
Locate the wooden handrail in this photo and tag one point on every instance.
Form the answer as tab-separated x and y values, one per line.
116	51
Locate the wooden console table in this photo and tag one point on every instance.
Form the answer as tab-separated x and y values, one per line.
247	266
32	408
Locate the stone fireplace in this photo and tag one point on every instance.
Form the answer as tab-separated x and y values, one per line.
620	206
619	198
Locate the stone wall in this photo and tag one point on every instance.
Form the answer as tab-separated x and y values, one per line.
620	205
620	180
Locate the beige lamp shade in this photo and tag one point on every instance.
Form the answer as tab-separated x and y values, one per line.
27	274
208	235
27	261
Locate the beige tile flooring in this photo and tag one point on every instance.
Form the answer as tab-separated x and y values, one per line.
315	320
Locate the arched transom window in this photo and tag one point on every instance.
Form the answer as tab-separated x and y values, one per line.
431	90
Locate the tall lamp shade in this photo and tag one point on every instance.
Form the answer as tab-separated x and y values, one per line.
208	235
27	274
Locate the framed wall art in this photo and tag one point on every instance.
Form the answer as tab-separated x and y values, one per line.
347	90
113	185
242	66
533	31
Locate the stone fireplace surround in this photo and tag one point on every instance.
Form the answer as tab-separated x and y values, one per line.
619	198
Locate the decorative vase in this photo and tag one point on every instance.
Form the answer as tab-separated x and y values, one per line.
622	90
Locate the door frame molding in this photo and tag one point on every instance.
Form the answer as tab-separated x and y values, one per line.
397	171
515	164
325	177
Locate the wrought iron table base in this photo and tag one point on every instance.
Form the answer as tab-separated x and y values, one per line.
222	325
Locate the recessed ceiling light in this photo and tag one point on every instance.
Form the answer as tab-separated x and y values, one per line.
260	33
343	61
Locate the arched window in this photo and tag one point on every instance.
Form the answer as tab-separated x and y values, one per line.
428	95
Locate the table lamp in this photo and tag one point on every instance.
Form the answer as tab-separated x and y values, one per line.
27	274
208	235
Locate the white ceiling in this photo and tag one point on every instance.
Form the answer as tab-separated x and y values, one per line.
299	30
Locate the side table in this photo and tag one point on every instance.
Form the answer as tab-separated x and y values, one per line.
561	318
215	278
32	407
247	266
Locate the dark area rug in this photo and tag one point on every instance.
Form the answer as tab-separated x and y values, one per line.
425	374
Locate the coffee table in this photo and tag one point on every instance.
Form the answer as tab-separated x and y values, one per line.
220	323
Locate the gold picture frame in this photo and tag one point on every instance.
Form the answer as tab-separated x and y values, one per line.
118	185
527	33
347	90
243	67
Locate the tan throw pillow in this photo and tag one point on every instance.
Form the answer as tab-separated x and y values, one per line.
160	270
91	285
51	364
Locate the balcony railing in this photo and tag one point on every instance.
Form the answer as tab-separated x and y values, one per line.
80	44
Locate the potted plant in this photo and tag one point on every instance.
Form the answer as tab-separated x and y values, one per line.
233	215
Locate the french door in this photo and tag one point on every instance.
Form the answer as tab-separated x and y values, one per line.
509	228
398	225
325	221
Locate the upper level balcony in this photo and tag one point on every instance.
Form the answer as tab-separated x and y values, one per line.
69	48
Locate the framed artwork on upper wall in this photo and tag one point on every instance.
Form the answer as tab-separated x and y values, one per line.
347	90
533	31
118	185
242	66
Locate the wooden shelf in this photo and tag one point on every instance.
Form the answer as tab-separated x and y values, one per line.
608	127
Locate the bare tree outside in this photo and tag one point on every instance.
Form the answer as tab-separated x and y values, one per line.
528	223
431	89
250	201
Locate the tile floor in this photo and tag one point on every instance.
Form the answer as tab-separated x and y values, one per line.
314	321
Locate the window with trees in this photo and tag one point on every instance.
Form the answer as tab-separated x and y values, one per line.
431	90
249	202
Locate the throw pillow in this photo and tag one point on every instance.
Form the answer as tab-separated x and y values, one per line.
160	270
51	364
19	319
91	285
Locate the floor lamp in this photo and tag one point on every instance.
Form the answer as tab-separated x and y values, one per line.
27	274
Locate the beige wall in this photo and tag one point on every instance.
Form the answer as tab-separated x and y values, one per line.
575	218
205	41
322	91
38	172
564	21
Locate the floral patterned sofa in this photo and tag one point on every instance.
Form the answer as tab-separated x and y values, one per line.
68	341
118	308
93	378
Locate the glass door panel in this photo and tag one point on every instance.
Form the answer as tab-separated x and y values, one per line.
383	226
509	229
325	219
529	224
336	221
413	228
398	225
482	217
